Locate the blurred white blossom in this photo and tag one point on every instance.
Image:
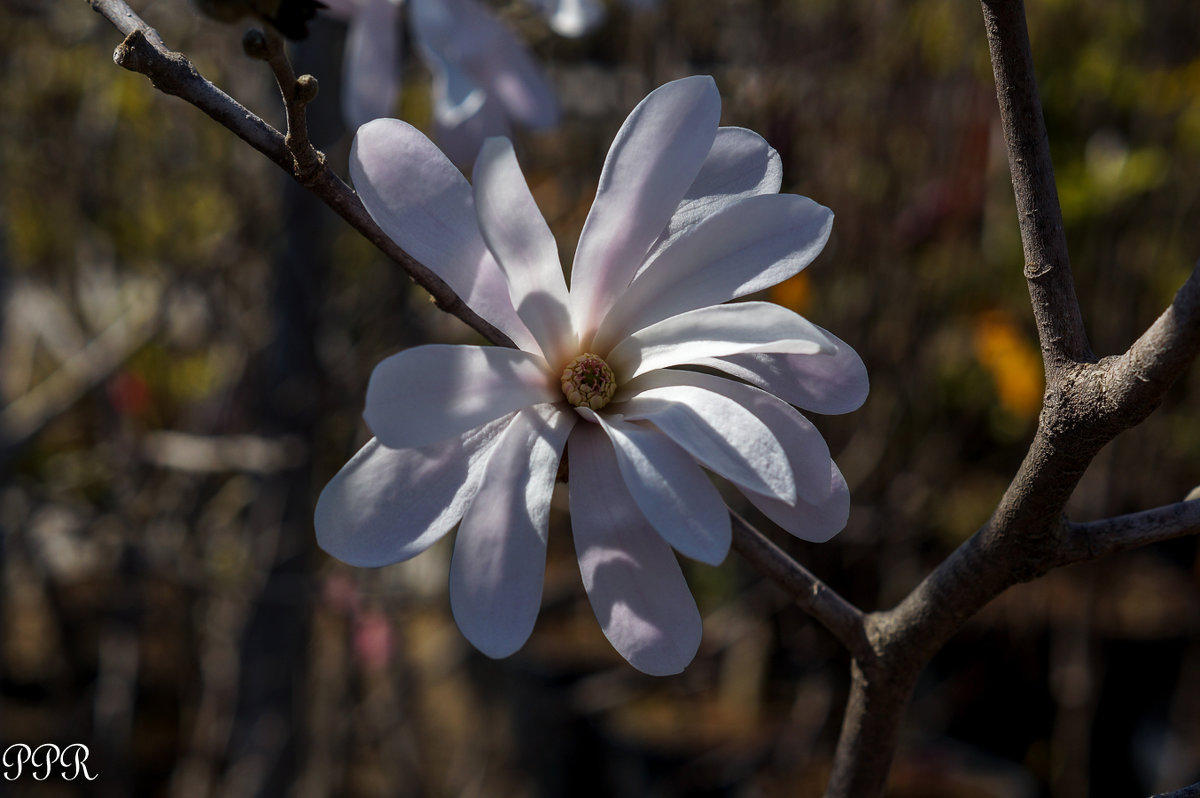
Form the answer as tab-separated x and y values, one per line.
485	80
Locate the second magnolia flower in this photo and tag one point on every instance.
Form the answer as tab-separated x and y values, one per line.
687	216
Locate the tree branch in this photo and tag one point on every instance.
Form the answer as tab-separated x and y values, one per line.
1047	264
143	51
1141	376
268	45
812	595
1095	539
1088	402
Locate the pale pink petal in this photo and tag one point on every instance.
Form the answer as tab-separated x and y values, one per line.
797	439
424	204
830	383
673	493
745	247
815	519
632	579
428	393
499	560
716	331
719	431
740	164
523	245
654	158
387	505
371	64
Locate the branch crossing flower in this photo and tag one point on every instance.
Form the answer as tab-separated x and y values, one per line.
687	217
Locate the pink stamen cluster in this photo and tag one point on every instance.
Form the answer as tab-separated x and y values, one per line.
587	381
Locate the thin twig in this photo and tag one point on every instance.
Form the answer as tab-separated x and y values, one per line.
143	51
296	93
812	595
1095	539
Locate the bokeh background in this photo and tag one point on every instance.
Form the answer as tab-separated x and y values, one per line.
186	339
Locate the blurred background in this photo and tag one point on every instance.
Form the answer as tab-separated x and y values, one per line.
185	343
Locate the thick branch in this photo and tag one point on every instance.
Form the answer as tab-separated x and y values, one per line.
172	73
1047	264
813	596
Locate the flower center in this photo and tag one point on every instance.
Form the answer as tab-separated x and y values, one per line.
587	381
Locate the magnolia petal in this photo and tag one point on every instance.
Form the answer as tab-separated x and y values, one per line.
435	224
740	164
815	519
716	331
673	493
632	579
371	68
499	560
829	383
523	245
444	31
462	140
425	394
387	505
743	248
654	158
719	431
807	454
503	64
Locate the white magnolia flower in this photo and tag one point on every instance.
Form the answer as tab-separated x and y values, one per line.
484	79
686	217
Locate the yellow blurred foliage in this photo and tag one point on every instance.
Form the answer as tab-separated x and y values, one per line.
1012	361
794	293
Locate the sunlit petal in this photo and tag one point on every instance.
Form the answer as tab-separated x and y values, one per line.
523	245
632	579
787	432
428	393
816	518
740	164
673	493
387	505
718	430
654	158
436	223
716	332
746	247
830	383
497	570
